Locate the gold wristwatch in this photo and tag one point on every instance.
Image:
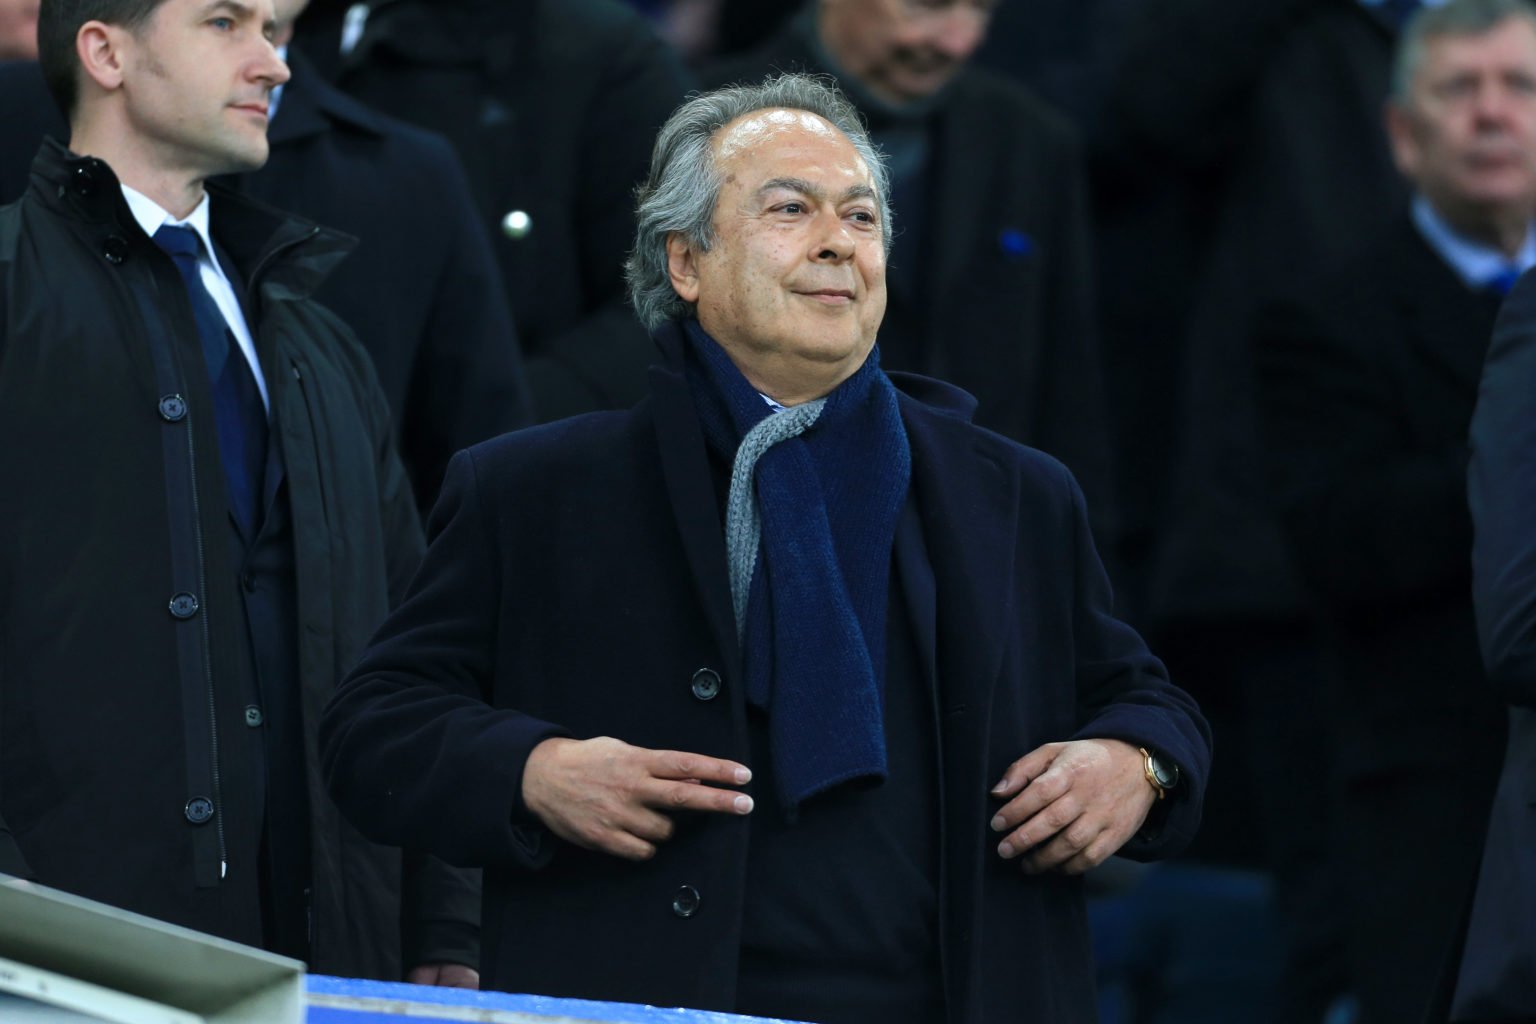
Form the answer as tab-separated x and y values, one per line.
1162	773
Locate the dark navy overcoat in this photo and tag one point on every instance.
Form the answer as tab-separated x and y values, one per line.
576	582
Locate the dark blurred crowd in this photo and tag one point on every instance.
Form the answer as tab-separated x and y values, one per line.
1235	263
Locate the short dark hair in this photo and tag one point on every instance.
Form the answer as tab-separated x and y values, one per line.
58	24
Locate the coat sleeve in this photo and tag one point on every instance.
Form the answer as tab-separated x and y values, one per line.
468	382
1123	693
411	748
1502	493
1342	473
11	860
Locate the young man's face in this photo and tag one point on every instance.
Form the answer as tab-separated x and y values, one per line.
197	79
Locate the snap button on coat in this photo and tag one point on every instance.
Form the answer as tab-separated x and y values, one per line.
173	408
184	606
253	716
199	810
685	903
706	684
115	249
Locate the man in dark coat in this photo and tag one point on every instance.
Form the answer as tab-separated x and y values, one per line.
421	290
203	516
1498	970
1368	381
551	105
889	623
990	271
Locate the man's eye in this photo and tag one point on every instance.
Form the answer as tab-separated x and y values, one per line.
863	216
222	24
793	208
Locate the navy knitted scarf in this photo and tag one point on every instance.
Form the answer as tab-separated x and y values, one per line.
814	586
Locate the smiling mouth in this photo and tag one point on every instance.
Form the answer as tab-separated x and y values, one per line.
830	296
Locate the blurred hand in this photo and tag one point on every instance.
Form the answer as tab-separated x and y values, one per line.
444	976
603	794
1082	800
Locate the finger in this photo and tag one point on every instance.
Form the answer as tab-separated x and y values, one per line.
626	845
1051	821
692	796
650	826
1076	838
426	974
1046	789
680	765
1026	768
1100	850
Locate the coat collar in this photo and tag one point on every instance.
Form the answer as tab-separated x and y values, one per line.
267	247
1445	320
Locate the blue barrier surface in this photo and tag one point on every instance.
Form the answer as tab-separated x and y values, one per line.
349	1001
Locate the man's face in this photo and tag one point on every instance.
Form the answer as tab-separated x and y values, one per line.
1467	136
903	50
196	82
794	285
18	29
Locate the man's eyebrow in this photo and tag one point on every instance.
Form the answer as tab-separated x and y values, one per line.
814	191
239	10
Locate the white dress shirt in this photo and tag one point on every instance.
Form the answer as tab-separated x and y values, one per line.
152	218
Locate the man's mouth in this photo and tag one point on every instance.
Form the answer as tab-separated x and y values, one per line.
831	296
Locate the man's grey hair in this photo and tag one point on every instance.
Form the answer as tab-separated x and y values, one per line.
1453	18
683	188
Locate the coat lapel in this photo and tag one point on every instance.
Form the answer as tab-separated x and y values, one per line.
685	466
968	504
1447	322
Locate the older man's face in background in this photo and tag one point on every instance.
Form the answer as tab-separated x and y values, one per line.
903	50
1467	135
18	29
796	274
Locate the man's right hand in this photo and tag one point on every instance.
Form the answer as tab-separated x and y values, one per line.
603	794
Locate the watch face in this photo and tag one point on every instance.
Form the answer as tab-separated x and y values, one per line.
1167	774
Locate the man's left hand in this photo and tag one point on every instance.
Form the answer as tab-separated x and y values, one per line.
1090	795
445	976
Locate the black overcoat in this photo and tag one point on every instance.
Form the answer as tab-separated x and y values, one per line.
115	713
421	290
1367	381
576	581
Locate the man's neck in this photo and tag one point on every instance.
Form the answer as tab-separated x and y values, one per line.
177	191
1504	230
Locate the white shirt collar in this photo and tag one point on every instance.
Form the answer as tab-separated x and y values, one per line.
152	217
1475	263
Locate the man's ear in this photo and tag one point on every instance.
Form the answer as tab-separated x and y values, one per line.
100	49
682	267
1401	138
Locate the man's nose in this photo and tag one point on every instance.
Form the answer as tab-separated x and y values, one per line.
271	68
834	242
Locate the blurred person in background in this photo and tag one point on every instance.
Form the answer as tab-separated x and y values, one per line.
18	30
552	106
990	273
421	290
1368	374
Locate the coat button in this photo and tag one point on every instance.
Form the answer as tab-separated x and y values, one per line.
84	181
248	581
685	902
253	717
706	684
199	810
173	408
115	249
516	224
184	606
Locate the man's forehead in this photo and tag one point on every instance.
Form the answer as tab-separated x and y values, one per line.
757	138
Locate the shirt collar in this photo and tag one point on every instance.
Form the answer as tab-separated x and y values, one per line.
1474	262
152	217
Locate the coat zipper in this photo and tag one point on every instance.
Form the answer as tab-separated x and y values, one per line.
213	717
